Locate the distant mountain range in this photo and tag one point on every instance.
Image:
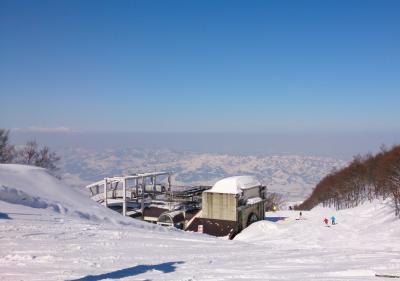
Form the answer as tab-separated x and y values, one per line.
292	175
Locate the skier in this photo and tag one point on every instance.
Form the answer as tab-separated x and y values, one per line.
326	221
333	220
300	216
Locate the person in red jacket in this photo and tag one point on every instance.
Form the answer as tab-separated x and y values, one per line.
326	221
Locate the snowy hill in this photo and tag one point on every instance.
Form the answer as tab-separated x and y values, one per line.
293	175
44	236
34	187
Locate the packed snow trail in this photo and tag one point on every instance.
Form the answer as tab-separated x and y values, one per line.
81	240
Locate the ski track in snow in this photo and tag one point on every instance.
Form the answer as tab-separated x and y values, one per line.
43	244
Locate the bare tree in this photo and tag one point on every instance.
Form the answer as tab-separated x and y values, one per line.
47	159
29	154
363	179
389	176
6	150
274	199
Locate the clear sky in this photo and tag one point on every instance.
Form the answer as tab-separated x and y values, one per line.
200	66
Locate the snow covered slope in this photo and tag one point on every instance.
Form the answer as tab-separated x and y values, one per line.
364	241
49	231
35	187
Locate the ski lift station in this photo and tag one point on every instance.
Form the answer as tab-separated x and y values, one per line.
230	205
223	209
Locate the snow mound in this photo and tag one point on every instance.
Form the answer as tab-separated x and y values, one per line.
34	187
367	225
234	185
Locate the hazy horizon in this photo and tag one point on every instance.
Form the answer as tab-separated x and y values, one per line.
340	145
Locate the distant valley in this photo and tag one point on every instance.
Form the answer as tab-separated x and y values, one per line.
292	175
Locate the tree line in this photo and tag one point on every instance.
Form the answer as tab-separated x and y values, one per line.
29	154
365	178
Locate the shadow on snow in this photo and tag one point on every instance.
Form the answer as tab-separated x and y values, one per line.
166	267
4	216
274	219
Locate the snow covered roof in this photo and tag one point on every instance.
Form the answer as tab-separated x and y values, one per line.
234	185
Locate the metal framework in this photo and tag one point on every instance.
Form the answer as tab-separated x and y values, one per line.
139	185
191	192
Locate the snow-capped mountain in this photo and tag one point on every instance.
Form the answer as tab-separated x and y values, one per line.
293	175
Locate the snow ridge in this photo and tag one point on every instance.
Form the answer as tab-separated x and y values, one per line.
15	196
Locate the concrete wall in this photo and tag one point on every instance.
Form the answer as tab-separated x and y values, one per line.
251	192
219	206
246	211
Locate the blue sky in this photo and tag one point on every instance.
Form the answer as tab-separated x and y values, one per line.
200	66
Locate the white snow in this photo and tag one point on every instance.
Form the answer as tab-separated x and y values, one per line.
40	241
234	185
35	187
254	200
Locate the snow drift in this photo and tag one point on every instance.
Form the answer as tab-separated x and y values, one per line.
34	187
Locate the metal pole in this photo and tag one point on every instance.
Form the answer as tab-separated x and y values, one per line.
124	197
137	189
105	192
154	186
142	203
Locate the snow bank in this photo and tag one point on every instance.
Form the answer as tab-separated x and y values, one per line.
34	187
